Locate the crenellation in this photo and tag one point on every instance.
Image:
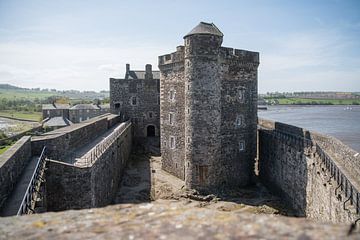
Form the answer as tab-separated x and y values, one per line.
214	91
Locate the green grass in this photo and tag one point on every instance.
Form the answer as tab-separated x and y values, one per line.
4	148
307	101
12	94
34	116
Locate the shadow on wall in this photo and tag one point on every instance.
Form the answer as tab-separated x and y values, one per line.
283	162
135	186
310	171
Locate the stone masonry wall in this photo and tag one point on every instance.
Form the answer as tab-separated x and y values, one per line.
292	164
145	112
238	115
214	112
12	163
172	83
74	187
65	140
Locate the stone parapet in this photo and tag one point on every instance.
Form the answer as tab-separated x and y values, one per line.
12	163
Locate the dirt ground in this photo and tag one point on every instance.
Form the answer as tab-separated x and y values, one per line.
145	181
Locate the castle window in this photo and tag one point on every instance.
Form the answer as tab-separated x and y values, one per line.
242	145
172	142
188	110
167	57
239	120
158	99
150	115
188	140
171	118
164	143
117	105
134	101
172	95
241	94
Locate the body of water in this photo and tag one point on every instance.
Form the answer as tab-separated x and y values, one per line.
342	122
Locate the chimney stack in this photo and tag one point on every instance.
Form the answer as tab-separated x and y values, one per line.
148	71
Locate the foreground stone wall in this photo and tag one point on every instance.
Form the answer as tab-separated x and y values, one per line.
167	220
95	185
302	167
12	163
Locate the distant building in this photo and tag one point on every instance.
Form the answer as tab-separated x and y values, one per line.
76	113
208	111
55	110
82	112
136	97
56	122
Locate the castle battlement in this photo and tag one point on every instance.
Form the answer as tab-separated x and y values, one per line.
175	57
240	54
208	111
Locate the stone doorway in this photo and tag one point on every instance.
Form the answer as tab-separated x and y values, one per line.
150	131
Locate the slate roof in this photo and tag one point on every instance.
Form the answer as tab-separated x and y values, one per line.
85	106
135	74
55	106
205	28
57	122
48	106
62	106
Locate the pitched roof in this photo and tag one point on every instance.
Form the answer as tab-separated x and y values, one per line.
57	122
85	106
47	106
205	28
135	74
62	106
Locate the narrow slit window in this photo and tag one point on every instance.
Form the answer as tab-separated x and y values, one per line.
242	145
171	118
172	142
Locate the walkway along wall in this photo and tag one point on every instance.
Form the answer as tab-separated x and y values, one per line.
12	163
95	184
316	174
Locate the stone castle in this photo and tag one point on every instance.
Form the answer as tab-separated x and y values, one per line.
200	109
205	108
208	110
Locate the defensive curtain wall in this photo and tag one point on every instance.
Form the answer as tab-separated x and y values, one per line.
84	163
92	179
12	163
316	174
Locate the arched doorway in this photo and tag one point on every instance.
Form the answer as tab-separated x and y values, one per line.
150	131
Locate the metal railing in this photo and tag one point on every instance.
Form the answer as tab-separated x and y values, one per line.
32	190
95	153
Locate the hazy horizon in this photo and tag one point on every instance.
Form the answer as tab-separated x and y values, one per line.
304	46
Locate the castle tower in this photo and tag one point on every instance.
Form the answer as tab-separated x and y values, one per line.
202	104
208	111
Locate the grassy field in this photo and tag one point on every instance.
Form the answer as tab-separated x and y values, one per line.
21	94
3	149
34	116
307	101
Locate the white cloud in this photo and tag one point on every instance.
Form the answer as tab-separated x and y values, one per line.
64	67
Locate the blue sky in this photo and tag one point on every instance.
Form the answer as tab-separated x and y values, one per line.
72	44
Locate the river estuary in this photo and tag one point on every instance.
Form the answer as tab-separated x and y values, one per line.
342	122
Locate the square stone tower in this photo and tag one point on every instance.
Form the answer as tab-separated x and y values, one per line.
136	97
208	111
